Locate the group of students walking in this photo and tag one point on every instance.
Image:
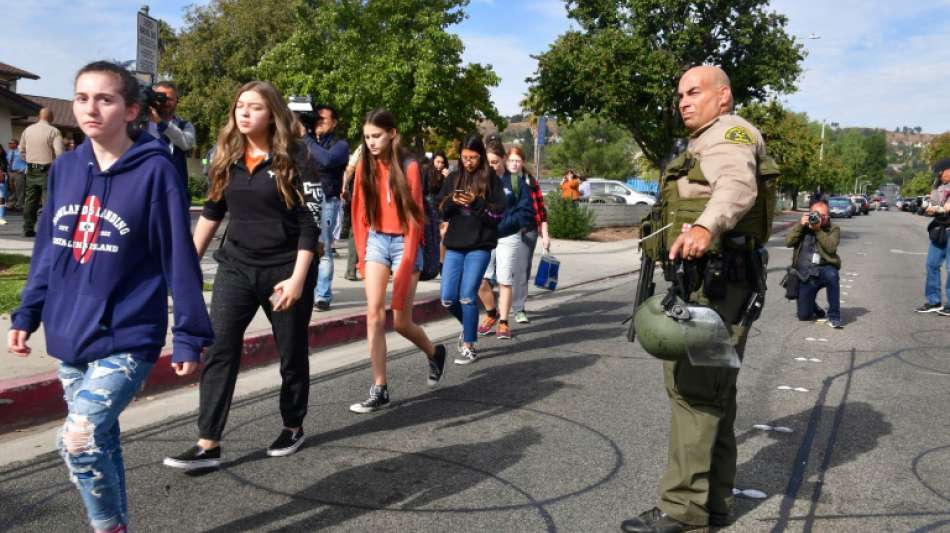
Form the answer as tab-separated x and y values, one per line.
115	241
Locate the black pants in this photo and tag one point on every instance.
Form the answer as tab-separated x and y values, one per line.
238	291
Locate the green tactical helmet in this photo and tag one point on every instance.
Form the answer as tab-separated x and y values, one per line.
685	332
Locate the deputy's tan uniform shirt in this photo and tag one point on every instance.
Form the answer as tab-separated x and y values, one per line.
41	143
727	149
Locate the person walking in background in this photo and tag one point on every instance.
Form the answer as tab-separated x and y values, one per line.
387	215
346	193
511	255
104	308
265	262
330	154
584	189
472	201
40	144
937	255
570	186
520	288
17	170
177	133
495	151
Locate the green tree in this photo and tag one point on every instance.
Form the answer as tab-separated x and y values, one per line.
918	185
939	148
625	59
396	54
354	54
593	146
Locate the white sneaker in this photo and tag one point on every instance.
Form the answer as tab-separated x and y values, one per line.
467	357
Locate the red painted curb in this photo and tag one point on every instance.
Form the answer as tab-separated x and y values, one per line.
38	398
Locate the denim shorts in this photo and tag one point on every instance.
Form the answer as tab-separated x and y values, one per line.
386	249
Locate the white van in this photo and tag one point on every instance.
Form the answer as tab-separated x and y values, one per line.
601	187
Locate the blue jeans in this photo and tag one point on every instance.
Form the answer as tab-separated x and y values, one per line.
808	292
96	393
461	276
328	217
935	258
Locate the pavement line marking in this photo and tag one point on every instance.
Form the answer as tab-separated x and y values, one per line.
751	494
902	252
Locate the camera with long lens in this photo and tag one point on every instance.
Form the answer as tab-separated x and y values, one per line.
302	106
154	99
814	218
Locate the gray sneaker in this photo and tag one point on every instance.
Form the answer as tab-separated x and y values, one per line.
521	317
378	398
467	357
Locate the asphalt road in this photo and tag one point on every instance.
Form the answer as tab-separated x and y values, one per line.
564	428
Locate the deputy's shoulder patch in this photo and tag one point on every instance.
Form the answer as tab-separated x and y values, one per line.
738	135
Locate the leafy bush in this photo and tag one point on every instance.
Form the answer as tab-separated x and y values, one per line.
567	219
197	188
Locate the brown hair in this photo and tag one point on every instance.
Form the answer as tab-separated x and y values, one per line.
394	156
284	146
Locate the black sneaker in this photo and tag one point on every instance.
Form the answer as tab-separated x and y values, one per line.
322	305
820	313
378	398
287	443
944	311
928	308
656	521
29	233
196	457
436	366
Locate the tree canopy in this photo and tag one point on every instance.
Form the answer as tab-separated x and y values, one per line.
626	58
352	54
593	147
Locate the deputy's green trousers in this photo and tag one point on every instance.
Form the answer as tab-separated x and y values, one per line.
35	188
701	464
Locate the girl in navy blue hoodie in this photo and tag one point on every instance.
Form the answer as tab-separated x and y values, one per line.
113	241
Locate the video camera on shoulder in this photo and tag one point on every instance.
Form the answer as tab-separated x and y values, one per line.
302	106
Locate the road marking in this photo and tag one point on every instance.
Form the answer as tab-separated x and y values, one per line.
796	389
751	494
778	429
896	251
808	359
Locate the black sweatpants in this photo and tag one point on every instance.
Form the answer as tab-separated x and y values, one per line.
238	291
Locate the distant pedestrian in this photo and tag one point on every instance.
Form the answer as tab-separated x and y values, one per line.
520	289
472	201
17	169
387	215
40	144
177	133
937	254
584	189
570	186
816	262
265	262
113	243
346	194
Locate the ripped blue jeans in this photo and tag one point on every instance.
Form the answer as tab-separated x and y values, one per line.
462	273
96	393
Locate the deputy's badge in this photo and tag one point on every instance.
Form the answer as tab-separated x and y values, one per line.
738	135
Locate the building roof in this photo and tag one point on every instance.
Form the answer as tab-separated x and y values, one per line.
17	103
62	111
10	70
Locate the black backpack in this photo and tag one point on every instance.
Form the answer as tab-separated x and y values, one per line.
431	239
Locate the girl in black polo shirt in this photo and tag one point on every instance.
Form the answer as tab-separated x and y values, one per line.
264	262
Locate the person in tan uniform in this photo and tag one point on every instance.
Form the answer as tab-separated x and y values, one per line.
711	194
40	144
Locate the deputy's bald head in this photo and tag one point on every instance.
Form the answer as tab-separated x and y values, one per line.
705	92
46	114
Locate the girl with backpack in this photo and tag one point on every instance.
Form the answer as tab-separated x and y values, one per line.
387	213
472	201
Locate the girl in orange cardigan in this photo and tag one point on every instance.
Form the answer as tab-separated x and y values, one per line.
387	218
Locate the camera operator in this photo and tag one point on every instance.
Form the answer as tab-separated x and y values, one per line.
939	208
816	259
178	133
330	155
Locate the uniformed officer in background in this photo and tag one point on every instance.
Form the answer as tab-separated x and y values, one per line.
718	202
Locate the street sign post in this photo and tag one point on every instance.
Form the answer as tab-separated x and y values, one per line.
146	49
539	145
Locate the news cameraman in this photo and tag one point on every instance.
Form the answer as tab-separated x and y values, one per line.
330	155
937	230
164	124
816	259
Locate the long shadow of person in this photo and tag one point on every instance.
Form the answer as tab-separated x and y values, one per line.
771	468
405	482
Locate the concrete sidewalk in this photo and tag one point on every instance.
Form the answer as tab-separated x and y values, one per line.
30	390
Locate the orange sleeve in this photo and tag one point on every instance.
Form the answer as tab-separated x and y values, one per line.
358	222
402	279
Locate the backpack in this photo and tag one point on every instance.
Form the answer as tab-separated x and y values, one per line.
431	239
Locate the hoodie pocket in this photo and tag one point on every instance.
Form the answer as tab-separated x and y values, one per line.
78	329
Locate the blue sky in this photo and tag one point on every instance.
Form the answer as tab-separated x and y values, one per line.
877	63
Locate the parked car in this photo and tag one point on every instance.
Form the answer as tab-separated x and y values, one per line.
840	207
606	199
600	187
861	204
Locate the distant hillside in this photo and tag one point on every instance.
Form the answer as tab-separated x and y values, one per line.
909	139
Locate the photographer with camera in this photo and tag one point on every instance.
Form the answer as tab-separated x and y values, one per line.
937	255
817	263
330	155
164	124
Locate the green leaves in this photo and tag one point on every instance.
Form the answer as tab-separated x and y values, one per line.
594	147
626	59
